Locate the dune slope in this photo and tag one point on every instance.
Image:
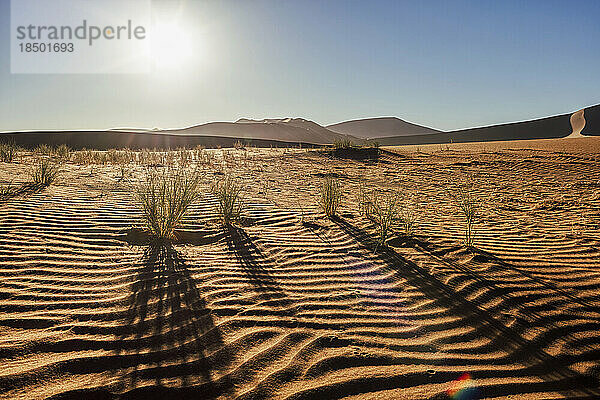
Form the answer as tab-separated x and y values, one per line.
544	128
380	127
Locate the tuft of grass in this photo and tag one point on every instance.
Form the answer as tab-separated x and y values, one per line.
44	173
384	211
469	207
387	212
229	197
6	191
8	152
363	199
165	197
408	221
43	150
343	144
345	148
63	152
331	196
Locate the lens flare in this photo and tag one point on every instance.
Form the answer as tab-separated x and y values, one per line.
463	388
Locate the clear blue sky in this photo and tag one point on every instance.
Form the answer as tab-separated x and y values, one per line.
444	64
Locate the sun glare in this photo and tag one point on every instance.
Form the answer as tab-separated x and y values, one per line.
171	46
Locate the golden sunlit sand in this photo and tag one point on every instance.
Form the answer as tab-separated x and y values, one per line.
288	304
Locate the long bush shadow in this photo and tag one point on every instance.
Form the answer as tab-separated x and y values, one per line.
170	334
549	368
23	189
487	256
252	262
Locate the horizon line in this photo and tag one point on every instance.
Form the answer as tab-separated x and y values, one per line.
157	129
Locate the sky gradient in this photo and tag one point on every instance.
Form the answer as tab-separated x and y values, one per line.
443	64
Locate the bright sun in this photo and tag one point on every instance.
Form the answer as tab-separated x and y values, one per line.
171	46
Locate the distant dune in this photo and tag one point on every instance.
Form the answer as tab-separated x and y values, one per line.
264	133
380	127
545	128
285	132
592	121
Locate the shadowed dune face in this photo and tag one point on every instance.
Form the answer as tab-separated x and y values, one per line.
577	123
297	306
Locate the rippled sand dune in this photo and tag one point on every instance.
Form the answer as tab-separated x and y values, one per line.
294	306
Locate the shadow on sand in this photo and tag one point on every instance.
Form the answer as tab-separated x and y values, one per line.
24	189
252	262
556	374
170	334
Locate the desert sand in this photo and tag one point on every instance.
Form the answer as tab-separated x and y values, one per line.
292	305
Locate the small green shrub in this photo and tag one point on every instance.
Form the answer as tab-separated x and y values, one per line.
331	196
408	221
165	197
43	150
8	152
63	152
44	173
6	191
468	206
229	200
388	213
343	144
384	212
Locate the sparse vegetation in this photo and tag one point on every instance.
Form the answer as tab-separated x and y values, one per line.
43	150
387	212
63	152
331	196
345	148
44	173
468	206
164	197
8	152
384	213
408	221
229	198
363	200
343	144
6	191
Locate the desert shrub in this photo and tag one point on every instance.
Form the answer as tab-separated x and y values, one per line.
8	152
229	199
363	200
43	150
347	149
185	156
202	156
63	151
384	212
408	219
343	144
389	214
164	197
151	157
6	191
331	196
468	206
44	173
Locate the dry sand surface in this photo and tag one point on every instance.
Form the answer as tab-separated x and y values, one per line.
291	305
